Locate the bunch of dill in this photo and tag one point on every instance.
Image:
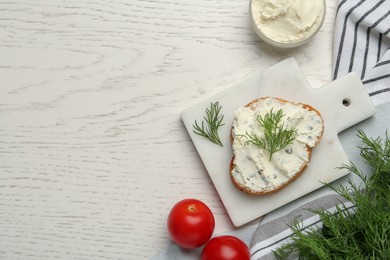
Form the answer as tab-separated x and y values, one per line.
363	233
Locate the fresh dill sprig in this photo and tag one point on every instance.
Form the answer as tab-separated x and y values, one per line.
363	234
214	121
276	136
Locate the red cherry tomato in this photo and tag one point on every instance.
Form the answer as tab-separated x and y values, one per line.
190	223
226	248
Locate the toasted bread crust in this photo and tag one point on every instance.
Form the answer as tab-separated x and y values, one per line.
252	105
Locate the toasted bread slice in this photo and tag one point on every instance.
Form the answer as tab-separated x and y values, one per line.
250	168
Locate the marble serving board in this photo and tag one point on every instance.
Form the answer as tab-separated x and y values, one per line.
342	103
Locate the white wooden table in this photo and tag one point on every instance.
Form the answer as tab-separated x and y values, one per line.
93	153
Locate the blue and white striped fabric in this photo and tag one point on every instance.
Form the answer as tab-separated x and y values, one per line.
362	45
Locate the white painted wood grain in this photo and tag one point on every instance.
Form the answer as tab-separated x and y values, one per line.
92	150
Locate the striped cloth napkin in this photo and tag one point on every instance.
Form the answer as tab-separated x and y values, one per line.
361	45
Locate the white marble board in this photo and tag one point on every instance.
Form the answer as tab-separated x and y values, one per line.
284	80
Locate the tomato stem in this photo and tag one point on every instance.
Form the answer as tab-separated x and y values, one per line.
192	208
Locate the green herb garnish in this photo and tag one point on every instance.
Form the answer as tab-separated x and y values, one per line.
362	234
276	136
214	121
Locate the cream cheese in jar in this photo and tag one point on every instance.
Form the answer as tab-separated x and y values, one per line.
287	21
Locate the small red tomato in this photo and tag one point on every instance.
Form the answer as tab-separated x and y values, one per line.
190	223
226	248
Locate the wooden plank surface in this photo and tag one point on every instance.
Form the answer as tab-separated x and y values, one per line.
93	153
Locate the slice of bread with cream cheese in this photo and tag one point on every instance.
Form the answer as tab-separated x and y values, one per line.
256	170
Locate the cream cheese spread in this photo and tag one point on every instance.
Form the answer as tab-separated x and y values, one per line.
251	165
288	21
